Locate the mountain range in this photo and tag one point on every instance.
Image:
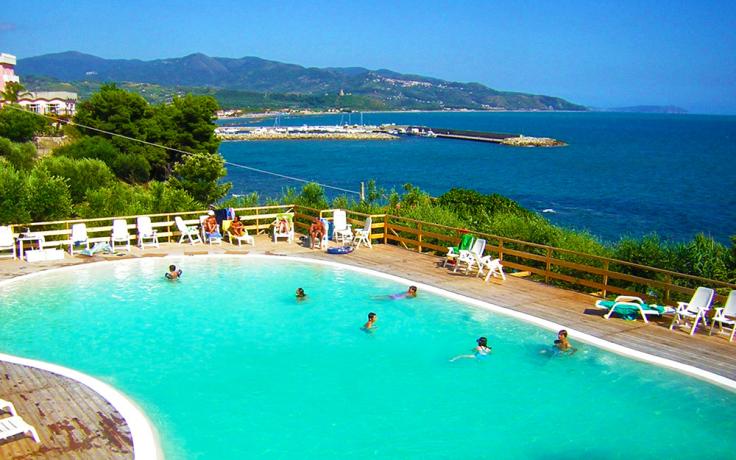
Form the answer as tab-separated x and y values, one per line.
253	80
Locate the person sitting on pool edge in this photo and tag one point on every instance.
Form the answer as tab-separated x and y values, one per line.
300	294
563	344
370	324
480	351
173	273
316	231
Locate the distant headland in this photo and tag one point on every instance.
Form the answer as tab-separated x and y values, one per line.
257	84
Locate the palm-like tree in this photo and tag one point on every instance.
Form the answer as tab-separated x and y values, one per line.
12	92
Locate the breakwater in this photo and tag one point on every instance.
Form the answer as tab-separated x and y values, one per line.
513	140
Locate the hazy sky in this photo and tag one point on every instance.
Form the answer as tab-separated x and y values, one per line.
602	54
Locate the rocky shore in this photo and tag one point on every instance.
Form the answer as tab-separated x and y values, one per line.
527	141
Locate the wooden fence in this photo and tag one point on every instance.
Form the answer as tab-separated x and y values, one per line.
561	267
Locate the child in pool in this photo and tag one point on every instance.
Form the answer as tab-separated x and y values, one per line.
300	294
480	351
173	273
562	344
371	323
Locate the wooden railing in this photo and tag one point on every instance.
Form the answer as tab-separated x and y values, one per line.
561	267
58	233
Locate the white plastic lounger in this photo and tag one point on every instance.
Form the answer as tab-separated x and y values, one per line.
79	237
146	232
472	257
186	232
726	315
363	235
7	406
626	304
493	266
120	234
342	233
694	310
13	426
7	242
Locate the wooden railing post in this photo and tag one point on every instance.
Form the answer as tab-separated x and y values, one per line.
500	250
548	265
168	227
385	229
419	238
258	225
668	280
605	279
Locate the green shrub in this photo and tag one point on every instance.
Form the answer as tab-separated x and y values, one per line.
20	155
83	174
48	196
14	192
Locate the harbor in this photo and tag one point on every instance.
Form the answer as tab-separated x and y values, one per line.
376	132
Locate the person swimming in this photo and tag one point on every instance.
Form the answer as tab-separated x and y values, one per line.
173	273
300	294
562	344
371	323
409	294
480	351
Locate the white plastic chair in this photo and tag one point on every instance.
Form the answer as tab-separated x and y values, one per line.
146	232
726	315
120	234
342	231
472	257
15	425
694	310
79	236
8	406
7	242
453	252
244	237
493	266
187	232
363	235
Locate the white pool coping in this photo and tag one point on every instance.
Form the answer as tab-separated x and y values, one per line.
146	445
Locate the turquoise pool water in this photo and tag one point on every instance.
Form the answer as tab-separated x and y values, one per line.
227	364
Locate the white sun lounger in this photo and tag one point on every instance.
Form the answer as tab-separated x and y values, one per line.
7	406
13	426
695	310
726	316
626	303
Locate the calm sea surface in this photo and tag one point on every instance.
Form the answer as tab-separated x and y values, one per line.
622	174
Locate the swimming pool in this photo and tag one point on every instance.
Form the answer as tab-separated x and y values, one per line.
227	364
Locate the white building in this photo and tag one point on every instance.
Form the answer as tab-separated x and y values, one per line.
43	102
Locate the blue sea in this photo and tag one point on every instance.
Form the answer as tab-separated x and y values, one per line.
621	174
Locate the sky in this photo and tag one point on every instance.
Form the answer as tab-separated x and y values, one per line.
599	54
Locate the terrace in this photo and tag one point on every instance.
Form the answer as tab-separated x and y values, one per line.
74	422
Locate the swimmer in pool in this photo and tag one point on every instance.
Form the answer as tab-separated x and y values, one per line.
371	323
480	351
563	344
409	294
173	273
300	294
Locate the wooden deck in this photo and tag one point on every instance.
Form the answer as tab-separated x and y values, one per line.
74	422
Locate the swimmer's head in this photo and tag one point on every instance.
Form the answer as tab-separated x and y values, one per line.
172	268
371	316
413	290
482	341
300	292
562	333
